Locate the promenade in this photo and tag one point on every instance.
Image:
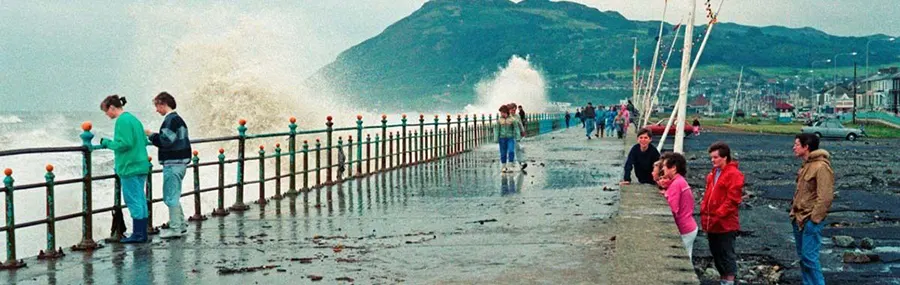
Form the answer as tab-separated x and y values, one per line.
454	221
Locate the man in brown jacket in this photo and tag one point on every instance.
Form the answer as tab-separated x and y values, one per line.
815	191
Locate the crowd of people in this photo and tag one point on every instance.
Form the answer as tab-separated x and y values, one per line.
719	207
602	121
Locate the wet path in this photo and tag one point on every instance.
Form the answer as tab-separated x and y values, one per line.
454	221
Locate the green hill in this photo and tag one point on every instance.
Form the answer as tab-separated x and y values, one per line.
447	46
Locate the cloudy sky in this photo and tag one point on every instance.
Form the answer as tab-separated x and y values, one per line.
86	49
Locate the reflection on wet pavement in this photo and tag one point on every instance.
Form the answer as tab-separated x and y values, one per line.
457	220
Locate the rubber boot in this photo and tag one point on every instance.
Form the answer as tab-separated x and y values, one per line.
176	224
139	234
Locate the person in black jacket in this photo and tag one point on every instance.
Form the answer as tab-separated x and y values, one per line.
641	159
174	154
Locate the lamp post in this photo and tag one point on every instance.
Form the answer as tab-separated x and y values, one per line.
867	51
813	82
834	69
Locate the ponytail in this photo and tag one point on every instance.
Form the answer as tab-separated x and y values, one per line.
112	101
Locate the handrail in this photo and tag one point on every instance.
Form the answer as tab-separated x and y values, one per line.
381	150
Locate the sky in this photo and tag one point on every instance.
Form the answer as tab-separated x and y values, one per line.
62	55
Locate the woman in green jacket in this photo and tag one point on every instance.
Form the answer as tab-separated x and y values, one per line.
129	144
508	131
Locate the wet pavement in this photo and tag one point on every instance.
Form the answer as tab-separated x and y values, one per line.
454	221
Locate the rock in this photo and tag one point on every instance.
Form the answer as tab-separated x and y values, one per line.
843	241
711	273
876	181
867	243
860	257
888	171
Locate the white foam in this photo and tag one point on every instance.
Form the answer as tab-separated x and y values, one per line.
518	82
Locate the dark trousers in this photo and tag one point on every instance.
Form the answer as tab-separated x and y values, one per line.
721	245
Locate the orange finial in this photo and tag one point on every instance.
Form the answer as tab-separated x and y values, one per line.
421	116
7	171
196	152
149	158
49	168
262	147
359	117
404	116
277	144
383	116
328	118
242	122
87	126
292	119
221	150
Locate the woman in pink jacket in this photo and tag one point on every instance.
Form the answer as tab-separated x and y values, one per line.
680	198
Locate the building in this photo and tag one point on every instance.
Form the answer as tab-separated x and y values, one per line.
877	90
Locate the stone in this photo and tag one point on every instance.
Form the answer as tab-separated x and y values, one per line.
843	241
876	181
867	243
860	257
711	273
889	171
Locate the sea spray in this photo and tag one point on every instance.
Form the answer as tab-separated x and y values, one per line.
517	82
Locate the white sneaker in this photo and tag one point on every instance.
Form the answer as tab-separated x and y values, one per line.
170	234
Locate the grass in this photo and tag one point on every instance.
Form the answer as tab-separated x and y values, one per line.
769	126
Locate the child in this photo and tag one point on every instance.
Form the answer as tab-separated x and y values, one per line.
508	130
174	155
680	198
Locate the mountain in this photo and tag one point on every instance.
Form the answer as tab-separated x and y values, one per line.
447	46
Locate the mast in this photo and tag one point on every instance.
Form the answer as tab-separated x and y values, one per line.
685	79
645	105
738	97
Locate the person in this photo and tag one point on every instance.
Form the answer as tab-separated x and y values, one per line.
626	119
174	155
568	117
579	117
619	121
641	158
680	197
696	125
601	121
588	116
719	209
129	146
507	132
815	192
610	117
522	115
633	114
520	150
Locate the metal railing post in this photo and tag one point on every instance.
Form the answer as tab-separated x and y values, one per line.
239	195
11	262
292	158
220	209
87	206
277	172
51	252
329	131
198	216
262	176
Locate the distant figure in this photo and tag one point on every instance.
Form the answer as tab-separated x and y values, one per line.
601	121
522	116
508	129
641	158
588	116
174	154
619	121
815	191
696	125
579	116
568	117
633	114
610	117
520	150
129	146
680	197
719	209
626	118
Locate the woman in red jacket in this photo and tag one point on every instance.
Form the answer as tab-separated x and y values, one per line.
719	209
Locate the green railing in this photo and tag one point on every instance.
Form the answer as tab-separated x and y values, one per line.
400	145
887	117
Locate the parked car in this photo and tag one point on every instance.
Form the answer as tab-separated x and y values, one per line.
659	127
833	129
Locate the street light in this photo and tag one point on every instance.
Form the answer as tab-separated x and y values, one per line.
867	51
834	70
813	82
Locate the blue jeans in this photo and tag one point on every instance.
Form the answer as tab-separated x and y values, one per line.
808	242
507	150
173	175
589	124
135	199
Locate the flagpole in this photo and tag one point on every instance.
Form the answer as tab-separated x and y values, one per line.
634	72
685	79
738	97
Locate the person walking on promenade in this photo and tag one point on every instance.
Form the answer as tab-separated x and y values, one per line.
588	115
601	121
626	118
568	117
174	155
579	116
719	209
641	158
508	129
129	146
619	121
680	197
815	192
522	115
610	117
520	150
